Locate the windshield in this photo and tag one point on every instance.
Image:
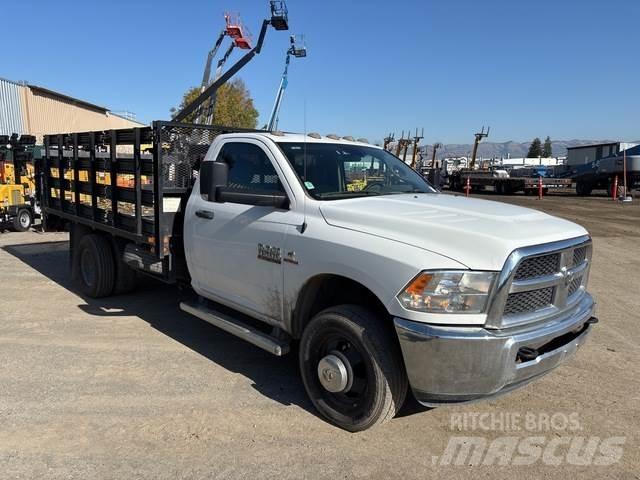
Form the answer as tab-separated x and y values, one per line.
333	171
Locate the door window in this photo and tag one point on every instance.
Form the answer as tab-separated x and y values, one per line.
250	169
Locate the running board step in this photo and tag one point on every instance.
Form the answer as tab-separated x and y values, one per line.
237	328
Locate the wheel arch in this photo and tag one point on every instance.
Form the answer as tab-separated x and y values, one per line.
327	290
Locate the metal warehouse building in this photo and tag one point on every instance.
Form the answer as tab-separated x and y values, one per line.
29	109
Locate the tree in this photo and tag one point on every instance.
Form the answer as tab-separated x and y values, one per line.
547	151
234	105
535	150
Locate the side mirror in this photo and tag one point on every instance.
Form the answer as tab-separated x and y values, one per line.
212	176
274	199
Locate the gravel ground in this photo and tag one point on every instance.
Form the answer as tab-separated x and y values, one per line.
130	387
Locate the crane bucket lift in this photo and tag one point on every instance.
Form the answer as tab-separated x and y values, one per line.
279	15
241	38
279	21
237	31
298	50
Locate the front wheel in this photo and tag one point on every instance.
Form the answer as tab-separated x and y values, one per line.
352	367
23	220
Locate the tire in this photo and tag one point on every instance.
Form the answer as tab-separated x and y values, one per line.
23	220
583	189
456	183
94	268
377	382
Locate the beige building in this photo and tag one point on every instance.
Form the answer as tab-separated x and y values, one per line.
29	109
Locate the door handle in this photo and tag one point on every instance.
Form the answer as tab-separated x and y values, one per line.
207	214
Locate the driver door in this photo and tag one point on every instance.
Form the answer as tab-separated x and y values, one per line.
234	251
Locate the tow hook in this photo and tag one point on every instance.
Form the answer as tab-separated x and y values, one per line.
526	354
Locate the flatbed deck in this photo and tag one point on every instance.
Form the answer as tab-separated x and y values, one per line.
478	180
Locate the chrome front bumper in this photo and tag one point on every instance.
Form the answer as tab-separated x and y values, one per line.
449	364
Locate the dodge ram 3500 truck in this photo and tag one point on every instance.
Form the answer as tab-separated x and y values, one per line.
383	283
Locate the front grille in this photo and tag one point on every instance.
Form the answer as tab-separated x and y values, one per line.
579	254
538	266
574	286
528	301
545	280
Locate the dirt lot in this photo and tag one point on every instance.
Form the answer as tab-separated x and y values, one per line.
130	387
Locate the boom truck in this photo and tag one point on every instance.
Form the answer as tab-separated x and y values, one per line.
376	284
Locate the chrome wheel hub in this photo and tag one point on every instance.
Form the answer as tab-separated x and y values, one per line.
24	220
334	372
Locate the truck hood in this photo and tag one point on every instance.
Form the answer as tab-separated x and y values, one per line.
479	234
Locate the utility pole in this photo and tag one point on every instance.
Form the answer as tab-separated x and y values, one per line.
479	137
416	140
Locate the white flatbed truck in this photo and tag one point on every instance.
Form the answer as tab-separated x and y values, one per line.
385	288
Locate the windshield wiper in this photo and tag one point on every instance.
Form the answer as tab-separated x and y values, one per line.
346	194
398	192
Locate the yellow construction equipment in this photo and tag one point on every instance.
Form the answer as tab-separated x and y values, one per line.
17	182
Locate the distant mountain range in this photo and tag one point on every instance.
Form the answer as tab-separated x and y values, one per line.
505	149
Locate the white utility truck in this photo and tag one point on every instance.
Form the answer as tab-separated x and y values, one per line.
384	284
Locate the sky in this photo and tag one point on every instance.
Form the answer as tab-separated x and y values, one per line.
564	68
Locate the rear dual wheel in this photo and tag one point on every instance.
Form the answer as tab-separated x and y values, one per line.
94	268
98	268
583	189
352	368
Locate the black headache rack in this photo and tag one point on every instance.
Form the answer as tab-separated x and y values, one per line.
132	183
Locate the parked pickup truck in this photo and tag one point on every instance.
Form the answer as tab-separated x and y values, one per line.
383	283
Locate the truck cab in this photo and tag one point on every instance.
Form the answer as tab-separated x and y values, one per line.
295	220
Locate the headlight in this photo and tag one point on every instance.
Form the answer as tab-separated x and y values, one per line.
448	292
